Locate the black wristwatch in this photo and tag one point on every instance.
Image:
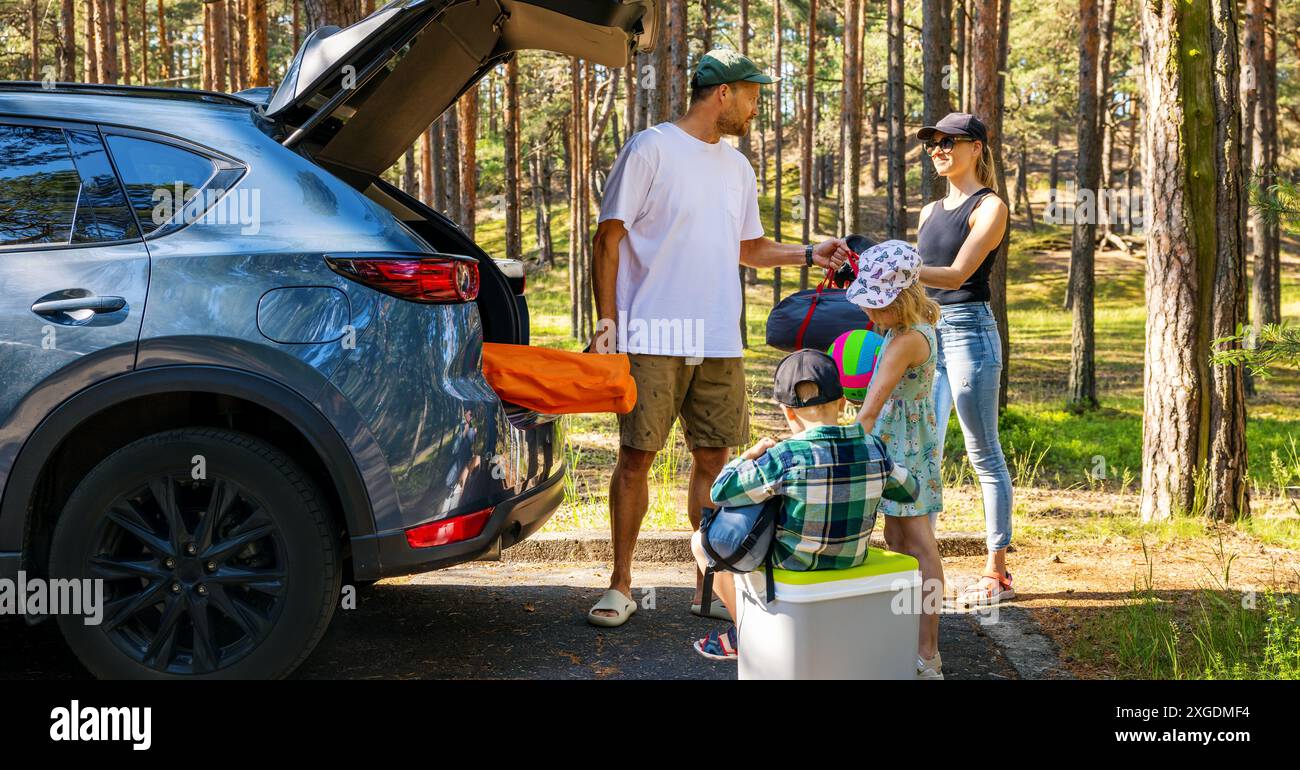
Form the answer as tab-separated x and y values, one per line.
807	254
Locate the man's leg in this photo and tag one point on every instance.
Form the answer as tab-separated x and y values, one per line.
659	381
629	496
715	417
706	464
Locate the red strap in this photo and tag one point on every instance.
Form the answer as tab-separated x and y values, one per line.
812	306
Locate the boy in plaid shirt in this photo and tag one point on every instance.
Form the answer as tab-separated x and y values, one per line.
832	478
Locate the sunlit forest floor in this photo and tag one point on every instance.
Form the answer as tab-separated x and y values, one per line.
1120	598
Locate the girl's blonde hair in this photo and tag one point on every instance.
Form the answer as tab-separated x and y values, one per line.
914	306
985	170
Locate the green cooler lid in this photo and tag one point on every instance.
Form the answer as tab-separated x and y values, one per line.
879	562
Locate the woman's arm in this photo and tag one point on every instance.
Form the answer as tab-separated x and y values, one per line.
908	349
985	234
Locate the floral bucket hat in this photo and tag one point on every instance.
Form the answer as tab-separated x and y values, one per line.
884	270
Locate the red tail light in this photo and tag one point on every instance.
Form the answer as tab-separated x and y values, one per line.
437	279
452	530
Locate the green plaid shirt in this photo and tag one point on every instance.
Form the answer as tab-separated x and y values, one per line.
832	478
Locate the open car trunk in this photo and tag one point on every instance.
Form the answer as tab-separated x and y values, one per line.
355	99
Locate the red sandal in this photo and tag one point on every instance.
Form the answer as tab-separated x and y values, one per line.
979	594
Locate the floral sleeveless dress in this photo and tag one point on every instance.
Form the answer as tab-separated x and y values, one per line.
908	427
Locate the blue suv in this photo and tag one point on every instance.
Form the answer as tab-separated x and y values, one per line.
239	369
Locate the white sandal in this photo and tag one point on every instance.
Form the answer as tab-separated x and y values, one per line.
613	600
717	611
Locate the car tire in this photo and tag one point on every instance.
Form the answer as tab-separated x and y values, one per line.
246	593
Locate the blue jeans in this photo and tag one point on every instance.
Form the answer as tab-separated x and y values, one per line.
968	375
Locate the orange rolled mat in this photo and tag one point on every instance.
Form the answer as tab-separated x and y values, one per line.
559	382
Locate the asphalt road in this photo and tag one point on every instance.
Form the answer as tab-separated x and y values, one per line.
508	621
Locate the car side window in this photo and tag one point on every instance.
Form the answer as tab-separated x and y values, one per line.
39	186
102	214
162	179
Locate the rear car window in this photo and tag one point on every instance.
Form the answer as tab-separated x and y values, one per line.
39	186
160	179
102	214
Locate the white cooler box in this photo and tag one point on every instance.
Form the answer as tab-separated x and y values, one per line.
832	624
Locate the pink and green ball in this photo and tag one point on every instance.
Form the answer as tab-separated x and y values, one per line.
855	354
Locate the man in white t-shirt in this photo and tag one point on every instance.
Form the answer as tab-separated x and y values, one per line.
679	216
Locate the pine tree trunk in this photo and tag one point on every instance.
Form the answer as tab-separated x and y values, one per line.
1054	169
1105	107
1179	181
806	142
987	52
34	40
875	146
259	73
112	64
573	144
338	12
851	120
1265	288
125	14
763	110
234	50
1228	494
426	168
544	168
451	165
468	107
1022	187
105	55
92	42
1083	374
165	66
935	55
897	160
220	45
68	34
960	35
437	196
742	32
676	83
778	175
144	42
514	233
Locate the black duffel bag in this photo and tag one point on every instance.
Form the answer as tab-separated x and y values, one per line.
815	318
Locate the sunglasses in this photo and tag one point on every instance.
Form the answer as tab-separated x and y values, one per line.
946	144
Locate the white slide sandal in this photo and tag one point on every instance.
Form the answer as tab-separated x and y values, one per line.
614	600
717	611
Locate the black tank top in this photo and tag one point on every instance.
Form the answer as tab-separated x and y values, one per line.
939	240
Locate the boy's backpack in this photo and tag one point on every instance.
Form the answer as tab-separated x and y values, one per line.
739	539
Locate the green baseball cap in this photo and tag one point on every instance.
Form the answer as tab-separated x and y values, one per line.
723	65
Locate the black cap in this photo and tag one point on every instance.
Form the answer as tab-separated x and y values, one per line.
807	366
957	124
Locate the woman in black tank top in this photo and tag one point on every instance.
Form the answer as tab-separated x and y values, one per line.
958	238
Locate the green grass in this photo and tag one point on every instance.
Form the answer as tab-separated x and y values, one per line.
1210	633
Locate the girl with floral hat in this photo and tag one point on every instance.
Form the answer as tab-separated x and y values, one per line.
899	409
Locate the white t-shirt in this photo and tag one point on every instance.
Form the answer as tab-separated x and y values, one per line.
687	204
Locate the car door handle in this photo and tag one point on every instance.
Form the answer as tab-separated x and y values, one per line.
92	303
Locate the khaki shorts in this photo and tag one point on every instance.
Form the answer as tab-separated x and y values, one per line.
709	397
